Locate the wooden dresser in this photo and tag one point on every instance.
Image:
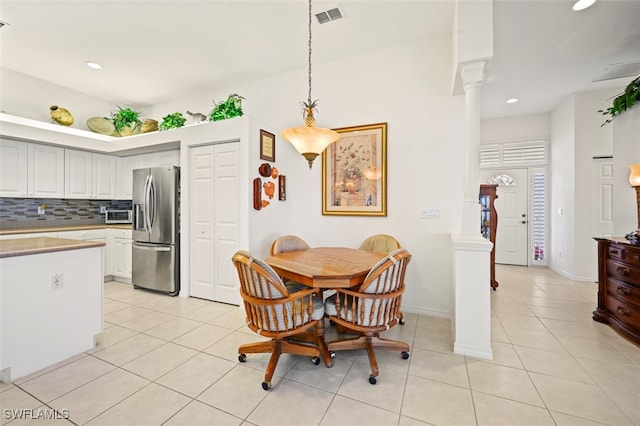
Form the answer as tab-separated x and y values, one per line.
489	224
619	286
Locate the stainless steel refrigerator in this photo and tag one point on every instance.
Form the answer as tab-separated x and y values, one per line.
156	224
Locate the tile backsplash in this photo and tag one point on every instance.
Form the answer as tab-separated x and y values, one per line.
23	212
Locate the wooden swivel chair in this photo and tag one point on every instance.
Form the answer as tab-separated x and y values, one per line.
382	243
371	309
273	312
290	243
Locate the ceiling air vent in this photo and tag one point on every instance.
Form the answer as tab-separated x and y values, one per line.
329	15
619	70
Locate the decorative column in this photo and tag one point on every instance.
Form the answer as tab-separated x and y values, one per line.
472	76
472	303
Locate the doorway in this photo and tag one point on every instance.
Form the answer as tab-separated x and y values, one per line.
512	207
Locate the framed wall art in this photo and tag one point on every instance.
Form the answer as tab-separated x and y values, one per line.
354	172
267	146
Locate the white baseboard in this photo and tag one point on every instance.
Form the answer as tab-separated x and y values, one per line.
438	313
473	351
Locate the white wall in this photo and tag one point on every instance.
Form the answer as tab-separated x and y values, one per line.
514	129
626	150
591	139
562	180
577	135
27	97
406	86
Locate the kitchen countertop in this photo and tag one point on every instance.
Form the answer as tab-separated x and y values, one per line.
39	245
62	228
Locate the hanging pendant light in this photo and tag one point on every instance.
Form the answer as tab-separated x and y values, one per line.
310	140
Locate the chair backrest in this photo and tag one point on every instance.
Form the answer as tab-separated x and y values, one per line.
377	302
288	243
381	243
270	309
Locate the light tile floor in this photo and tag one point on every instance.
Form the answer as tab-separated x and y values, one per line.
172	361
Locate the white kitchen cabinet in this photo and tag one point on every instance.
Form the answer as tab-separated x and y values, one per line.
89	175
45	171
121	252
161	158
13	168
78	174
126	166
124	178
31	170
104	177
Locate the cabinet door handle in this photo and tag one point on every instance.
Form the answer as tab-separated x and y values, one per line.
623	291
622	311
636	257
622	271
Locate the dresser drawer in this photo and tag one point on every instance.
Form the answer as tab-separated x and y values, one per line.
623	312
623	292
623	272
625	254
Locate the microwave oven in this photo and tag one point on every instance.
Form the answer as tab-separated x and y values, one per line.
118	216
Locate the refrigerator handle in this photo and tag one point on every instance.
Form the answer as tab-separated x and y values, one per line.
152	201
146	202
151	247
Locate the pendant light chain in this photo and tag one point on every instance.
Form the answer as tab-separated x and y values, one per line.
309	140
309	52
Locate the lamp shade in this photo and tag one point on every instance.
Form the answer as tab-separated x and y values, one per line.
310	141
634	176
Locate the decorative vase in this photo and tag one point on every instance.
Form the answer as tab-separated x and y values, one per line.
60	115
149	125
129	129
352	185
101	125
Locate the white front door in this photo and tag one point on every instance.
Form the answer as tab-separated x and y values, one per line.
214	221
512	209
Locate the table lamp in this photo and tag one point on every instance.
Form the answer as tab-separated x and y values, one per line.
634	180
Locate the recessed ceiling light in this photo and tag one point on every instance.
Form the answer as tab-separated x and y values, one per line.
512	100
93	65
583	4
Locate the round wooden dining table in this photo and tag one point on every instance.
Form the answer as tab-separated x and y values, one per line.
325	268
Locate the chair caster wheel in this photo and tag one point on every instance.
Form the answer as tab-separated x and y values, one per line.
242	357
315	360
332	354
372	380
405	355
401	321
266	385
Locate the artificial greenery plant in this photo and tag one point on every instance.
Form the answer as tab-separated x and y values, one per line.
126	118
623	101
230	108
172	121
